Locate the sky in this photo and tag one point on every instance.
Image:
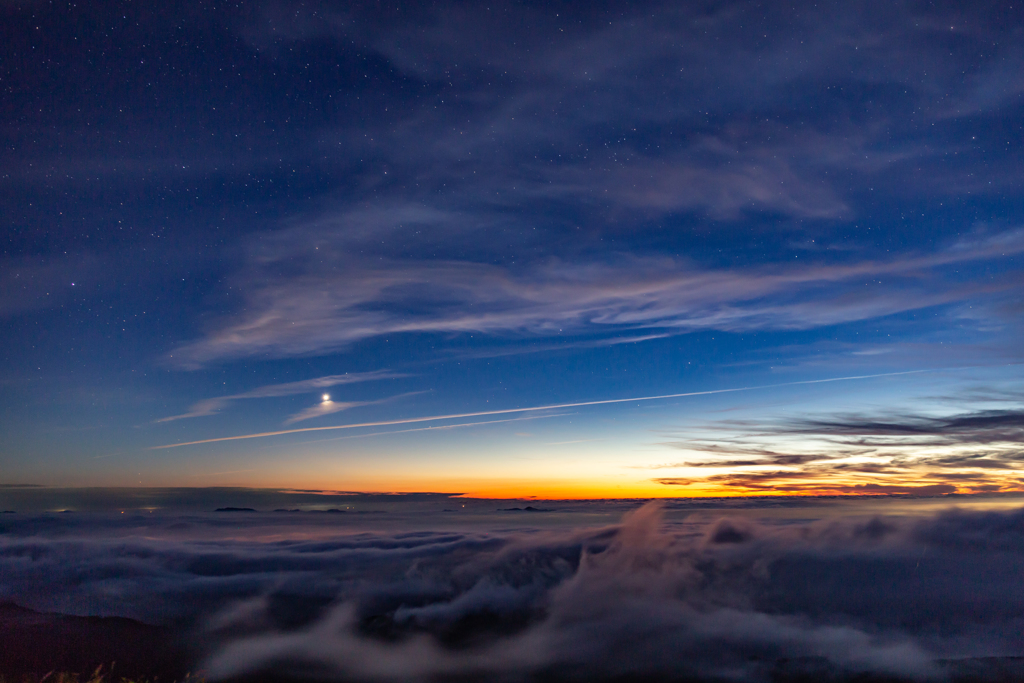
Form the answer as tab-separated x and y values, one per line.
513	249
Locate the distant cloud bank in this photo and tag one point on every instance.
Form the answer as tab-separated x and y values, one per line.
712	597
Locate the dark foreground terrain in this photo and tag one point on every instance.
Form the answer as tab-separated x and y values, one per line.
38	645
32	644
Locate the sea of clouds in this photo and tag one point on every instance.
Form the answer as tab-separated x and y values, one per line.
516	596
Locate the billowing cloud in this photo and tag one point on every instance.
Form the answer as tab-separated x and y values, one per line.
708	598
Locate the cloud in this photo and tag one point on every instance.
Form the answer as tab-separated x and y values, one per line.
987	427
212	406
433	418
669	108
705	598
763	182
540	136
323	408
327	407
319	308
604	608
904	453
759	456
810	482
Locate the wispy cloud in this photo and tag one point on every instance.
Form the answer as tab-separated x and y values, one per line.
324	309
211	406
983	428
507	411
892	453
576	133
323	408
328	407
699	180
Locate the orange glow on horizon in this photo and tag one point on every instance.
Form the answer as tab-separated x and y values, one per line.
581	489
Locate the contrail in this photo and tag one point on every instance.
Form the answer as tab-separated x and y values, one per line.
507	411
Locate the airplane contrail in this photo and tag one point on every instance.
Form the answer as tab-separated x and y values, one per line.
507	411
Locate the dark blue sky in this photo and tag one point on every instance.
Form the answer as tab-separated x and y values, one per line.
215	215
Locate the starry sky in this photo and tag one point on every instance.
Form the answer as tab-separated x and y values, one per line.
512	249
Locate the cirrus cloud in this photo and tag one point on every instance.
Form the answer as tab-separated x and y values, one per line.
326	301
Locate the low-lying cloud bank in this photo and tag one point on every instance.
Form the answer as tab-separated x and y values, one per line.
727	599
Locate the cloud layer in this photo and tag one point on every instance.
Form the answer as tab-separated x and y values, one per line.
328	301
926	454
518	170
715	599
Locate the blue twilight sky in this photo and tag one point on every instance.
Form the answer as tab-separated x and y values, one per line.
226	220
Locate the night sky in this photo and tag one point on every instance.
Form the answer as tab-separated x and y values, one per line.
561	249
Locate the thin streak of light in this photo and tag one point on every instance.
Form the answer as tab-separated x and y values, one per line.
592	344
506	411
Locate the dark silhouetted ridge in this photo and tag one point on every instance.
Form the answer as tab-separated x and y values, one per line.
35	643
